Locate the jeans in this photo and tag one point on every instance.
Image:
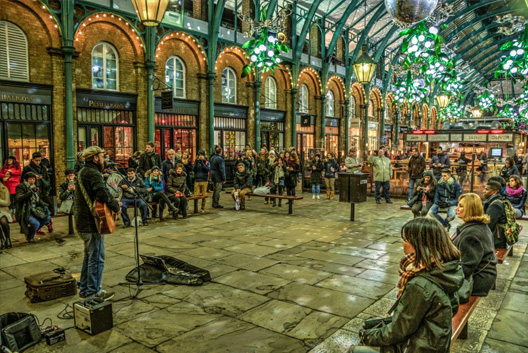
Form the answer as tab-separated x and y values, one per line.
93	264
451	213
35	225
142	207
412	181
386	189
316	189
518	213
216	193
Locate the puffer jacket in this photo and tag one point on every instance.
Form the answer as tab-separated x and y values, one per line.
177	182
43	183
448	193
330	165
430	195
137	183
517	202
24	193
92	179
243	180
14	177
316	174
506	173
201	170
155	183
421	321
382	168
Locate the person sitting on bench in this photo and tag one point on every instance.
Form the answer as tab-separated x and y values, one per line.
242	184
430	278
448	190
516	194
154	186
474	240
494	208
137	189
177	189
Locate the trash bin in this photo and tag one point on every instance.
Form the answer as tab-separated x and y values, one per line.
352	187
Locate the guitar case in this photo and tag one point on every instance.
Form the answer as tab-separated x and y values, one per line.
50	285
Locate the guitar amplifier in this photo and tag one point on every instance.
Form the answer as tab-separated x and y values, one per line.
93	316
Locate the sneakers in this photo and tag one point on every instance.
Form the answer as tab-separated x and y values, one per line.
318	197
313	196
40	232
378	202
389	201
104	295
50	227
202	211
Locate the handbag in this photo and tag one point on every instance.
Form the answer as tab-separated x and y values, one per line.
66	207
263	190
40	212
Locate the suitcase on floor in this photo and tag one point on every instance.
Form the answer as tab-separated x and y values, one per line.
50	285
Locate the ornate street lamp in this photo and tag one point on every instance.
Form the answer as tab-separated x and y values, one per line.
150	12
442	100
476	112
364	67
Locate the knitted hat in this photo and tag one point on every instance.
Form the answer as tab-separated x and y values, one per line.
201	153
428	173
29	175
155	168
92	151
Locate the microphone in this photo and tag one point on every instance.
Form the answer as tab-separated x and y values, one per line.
111	164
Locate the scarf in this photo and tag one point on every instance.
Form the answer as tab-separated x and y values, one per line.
514	192
407	271
279	174
427	189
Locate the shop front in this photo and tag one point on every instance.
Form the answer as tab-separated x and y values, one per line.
387	135
305	134
332	136
177	128
272	129
373	138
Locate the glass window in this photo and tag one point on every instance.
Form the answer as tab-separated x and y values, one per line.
303	99
330	103
118	143
371	108
25	139
105	67
229	94
14	63
270	94
175	76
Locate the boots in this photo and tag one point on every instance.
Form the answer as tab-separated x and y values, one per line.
327	195
318	197
155	212
313	196
332	193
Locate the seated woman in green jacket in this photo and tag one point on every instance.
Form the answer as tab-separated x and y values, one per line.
431	275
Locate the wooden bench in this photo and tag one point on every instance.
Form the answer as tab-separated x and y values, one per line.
275	196
191	198
502	253
460	320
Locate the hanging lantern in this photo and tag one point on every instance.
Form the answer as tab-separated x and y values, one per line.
442	100
150	12
410	11
364	67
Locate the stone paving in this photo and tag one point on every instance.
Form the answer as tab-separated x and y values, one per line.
280	283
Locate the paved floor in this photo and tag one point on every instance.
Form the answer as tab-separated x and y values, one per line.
300	283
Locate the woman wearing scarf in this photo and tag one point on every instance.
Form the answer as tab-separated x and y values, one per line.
516	194
155	187
292	170
424	194
427	299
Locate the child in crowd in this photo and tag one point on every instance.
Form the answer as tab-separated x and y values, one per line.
242	184
316	171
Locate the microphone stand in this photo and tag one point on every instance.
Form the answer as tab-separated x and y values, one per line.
137	196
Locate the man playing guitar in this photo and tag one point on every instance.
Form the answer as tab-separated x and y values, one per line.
91	188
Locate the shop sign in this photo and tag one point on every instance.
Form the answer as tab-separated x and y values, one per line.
29	95
475	137
106	100
456	137
230	111
272	115
388	128
500	137
438	138
166	100
305	119
180	107
416	138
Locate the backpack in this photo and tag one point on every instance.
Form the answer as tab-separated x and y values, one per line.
511	228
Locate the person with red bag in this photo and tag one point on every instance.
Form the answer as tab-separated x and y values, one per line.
10	175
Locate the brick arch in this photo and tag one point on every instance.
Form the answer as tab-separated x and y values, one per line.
425	114
233	57
390	107
434	115
310	75
283	79
359	93
183	45
336	85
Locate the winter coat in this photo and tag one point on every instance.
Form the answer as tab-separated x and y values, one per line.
495	209
147	161
43	183
506	173
137	183
177	182
201	170
262	167
167	166
5	201
316	174
350	162
330	165
416	167
64	193
290	177
271	167
440	159
155	183
382	168
462	164
475	242
133	163
80	165
14	178
483	163
218	174
430	195
278	173
448	193
24	193
242	180
421	321
519	201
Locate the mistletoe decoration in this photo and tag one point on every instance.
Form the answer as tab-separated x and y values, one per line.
263	52
409	91
508	112
452	112
487	101
515	61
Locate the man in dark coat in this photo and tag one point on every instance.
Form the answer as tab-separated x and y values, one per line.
218	175
242	184
447	192
439	163
169	163
43	179
28	201
494	208
147	160
91	187
136	191
416	169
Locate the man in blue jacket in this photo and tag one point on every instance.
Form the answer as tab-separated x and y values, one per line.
439	163
218	175
446	196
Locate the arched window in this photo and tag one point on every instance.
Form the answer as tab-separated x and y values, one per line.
352	108
175	76
105	67
330	102
14	62
371	108
229	88
270	94
303	99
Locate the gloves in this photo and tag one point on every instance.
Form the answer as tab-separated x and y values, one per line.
443	204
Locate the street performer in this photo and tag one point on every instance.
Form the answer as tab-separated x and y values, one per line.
94	255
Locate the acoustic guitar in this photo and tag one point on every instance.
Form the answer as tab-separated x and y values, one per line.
105	218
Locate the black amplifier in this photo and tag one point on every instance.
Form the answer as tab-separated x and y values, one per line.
93	316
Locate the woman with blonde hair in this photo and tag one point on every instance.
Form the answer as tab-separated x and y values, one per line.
475	241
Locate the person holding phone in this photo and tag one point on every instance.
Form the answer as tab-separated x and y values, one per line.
177	188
